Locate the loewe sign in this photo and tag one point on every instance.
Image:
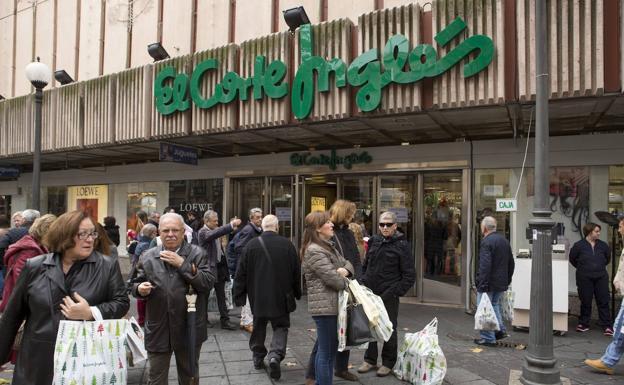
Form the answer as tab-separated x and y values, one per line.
398	65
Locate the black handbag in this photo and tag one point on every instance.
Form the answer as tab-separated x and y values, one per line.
358	331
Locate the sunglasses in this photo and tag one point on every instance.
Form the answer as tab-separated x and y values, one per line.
386	224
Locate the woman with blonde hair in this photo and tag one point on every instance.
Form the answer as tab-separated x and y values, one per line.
326	272
359	240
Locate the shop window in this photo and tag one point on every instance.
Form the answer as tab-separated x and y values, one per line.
57	200
196	195
142	201
5	205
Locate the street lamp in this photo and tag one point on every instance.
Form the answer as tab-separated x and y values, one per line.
540	366
39	76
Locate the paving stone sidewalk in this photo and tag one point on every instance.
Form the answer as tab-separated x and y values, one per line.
226	359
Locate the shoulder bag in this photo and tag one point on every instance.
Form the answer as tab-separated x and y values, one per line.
291	304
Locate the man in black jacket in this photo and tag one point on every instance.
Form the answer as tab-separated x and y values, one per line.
269	275
389	272
210	240
496	267
166	273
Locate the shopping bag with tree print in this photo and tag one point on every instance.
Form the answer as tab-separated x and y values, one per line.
343	300
91	353
485	318
420	359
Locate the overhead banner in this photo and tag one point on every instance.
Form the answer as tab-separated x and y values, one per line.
92	198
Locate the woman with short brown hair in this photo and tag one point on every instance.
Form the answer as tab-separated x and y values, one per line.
73	282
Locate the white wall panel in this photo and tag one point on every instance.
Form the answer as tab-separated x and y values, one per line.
115	36
25	44
66	41
144	30
253	19
312	9
349	8
6	8
6	56
177	27
44	32
212	24
90	34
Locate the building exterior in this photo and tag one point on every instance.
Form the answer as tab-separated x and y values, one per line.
422	108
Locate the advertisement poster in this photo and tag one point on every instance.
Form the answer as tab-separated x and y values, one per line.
317	204
92	199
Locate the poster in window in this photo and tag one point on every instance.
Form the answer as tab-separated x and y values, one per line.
92	199
317	204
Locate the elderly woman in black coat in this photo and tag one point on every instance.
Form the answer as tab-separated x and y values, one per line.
73	282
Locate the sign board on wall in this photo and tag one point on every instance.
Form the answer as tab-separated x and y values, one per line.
92	198
507	204
317	204
283	214
178	154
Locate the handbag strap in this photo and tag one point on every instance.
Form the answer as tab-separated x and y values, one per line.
268	255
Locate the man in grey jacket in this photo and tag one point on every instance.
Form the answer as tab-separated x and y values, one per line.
166	274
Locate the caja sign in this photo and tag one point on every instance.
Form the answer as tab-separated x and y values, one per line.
175	91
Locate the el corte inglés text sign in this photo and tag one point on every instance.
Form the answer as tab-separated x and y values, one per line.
174	91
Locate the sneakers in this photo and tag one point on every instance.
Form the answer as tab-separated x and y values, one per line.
274	368
599	366
482	342
383	371
366	367
582	328
608	332
346	375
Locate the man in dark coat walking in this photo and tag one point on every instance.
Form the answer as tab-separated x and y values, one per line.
269	274
496	267
166	274
389	272
210	240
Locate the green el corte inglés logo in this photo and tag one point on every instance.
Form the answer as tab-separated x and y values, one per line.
174	91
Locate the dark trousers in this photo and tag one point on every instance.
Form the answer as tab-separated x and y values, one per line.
389	350
159	367
278	343
342	361
589	287
219	288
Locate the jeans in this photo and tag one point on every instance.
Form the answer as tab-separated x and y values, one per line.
615	350
495	297
327	340
342	362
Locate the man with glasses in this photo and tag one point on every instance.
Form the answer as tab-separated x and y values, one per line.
389	272
166	274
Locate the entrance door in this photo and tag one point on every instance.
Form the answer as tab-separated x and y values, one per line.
281	204
319	193
442	261
249	193
361	191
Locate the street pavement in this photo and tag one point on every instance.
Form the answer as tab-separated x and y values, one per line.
226	360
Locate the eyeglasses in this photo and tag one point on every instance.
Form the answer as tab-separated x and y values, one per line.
84	235
386	224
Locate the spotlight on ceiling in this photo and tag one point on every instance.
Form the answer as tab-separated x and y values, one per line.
63	77
295	17
157	51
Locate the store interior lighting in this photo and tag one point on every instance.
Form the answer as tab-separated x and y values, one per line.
295	17
157	51
63	77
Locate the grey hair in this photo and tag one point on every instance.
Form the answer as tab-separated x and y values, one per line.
176	216
209	214
149	230
390	215
153	214
489	223
269	222
30	215
254	211
15	214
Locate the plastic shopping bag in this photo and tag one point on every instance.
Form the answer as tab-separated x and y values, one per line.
136	342
420	359
91	353
507	305
380	324
343	300
213	306
485	318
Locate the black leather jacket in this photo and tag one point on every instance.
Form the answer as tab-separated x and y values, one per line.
166	307
37	298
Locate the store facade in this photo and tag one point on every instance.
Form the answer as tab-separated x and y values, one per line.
421	111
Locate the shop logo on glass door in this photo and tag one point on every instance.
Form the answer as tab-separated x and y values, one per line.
175	91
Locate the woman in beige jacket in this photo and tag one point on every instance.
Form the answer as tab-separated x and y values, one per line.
326	273
615	350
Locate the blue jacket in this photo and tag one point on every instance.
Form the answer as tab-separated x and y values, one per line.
238	243
590	261
496	264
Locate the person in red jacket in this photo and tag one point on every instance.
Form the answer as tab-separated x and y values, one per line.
27	247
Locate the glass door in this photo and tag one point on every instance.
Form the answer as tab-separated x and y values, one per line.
281	202
248	193
442	261
361	191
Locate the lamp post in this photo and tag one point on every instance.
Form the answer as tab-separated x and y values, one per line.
39	76
540	366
